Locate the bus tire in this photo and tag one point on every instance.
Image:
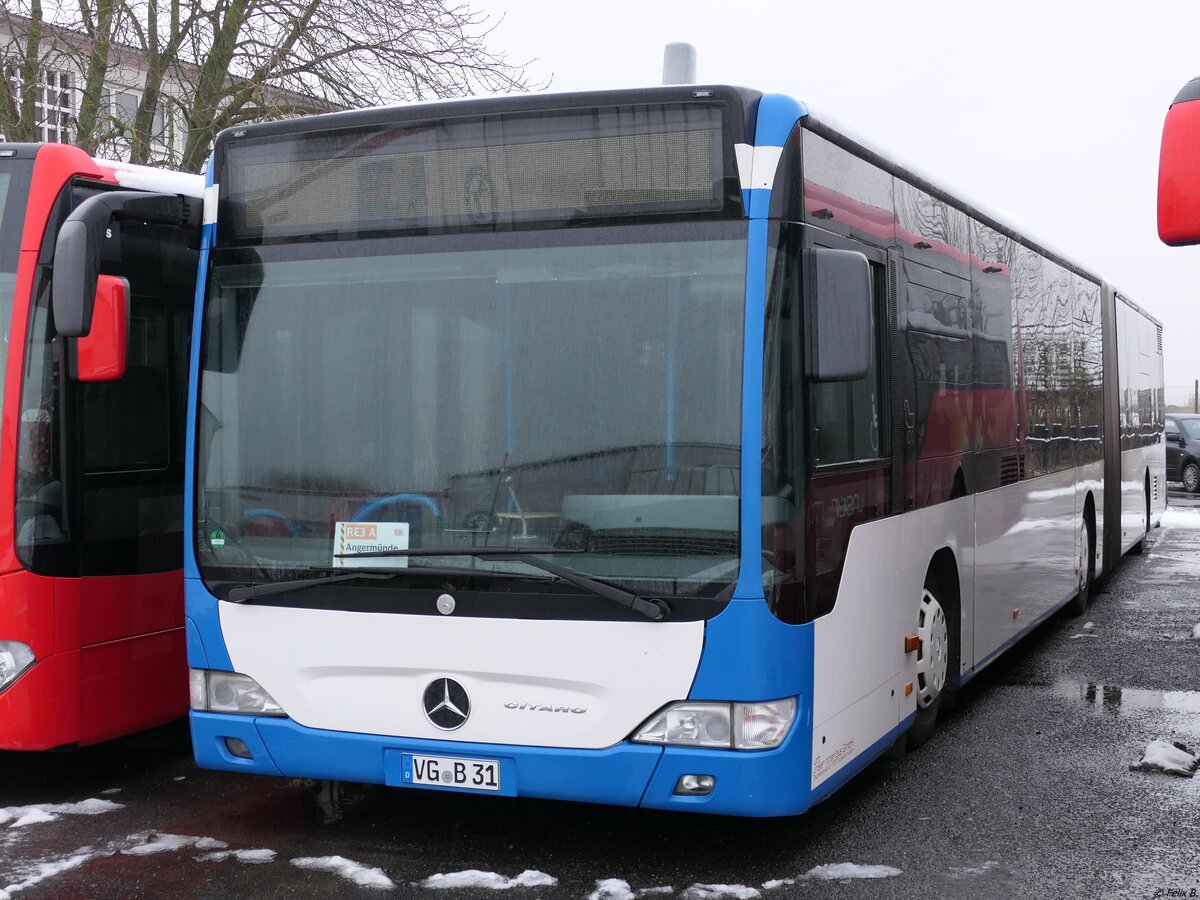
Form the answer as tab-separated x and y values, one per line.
933	662
329	802
1085	567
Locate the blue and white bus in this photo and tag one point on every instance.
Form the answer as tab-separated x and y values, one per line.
665	448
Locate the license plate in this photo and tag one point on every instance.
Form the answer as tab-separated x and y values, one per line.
451	771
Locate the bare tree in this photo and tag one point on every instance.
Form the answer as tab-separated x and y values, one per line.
212	64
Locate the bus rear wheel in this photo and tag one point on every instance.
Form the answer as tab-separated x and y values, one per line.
933	662
1084	567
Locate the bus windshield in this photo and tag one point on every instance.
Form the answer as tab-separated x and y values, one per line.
569	389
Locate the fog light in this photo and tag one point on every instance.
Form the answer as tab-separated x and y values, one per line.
695	785
237	747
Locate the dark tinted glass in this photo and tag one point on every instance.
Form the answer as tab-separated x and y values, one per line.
569	388
482	172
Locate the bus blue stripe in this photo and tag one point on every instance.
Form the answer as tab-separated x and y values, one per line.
205	643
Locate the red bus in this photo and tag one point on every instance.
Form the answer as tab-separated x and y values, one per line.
91	447
1178	172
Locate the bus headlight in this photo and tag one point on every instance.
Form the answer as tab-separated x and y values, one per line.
230	692
729	726
15	658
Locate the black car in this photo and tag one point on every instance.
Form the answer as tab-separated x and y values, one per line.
1183	450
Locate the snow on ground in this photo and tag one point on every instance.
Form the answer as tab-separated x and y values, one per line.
20	816
839	871
473	878
835	872
619	889
970	871
167	843
1180	518
1088	626
612	889
34	873
1196	632
1165	756
716	891
246	856
363	876
111	791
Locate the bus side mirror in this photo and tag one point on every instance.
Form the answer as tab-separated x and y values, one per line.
837	288
78	247
1179	170
101	355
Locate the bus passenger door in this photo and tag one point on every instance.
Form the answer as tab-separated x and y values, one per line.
858	659
848	438
129	525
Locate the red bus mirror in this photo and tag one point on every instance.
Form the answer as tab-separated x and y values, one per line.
1179	170
101	355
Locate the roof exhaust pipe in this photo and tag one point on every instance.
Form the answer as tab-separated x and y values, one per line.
679	64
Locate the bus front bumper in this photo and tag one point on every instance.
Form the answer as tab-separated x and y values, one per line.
760	783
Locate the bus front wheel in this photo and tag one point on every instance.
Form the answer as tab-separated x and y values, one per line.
933	662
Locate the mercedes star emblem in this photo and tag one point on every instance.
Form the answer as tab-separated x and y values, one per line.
446	704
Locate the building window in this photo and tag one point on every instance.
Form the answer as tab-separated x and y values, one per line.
54	106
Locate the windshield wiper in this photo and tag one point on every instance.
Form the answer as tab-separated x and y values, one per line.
244	593
652	608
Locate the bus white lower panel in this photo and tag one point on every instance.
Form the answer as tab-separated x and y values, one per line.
859	658
535	683
1026	563
1137	465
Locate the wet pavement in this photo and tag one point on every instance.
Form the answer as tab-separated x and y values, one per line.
1025	791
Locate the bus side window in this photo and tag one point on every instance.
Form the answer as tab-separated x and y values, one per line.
133	472
847	417
40	508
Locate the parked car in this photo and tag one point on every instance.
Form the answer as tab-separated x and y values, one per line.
1183	450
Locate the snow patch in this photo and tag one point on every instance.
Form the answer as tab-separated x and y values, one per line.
715	891
1088	626
1180	518
256	857
841	871
363	876
35	816
968	871
35	873
473	878
612	889
167	843
655	891
835	872
1170	757
1196	632
110	791
20	816
1082	634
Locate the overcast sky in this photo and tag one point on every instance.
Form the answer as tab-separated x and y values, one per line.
1049	111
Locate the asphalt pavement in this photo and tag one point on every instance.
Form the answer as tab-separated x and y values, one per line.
1025	791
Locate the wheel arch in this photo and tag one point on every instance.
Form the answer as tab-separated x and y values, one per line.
943	567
